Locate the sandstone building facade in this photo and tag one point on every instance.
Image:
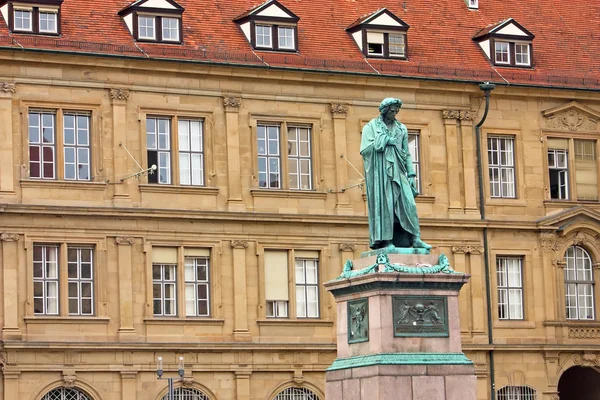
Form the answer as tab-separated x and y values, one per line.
156	205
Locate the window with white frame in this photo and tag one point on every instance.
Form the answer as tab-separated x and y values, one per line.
305	284
502	53
558	173
297	393
522	54
385	44
158	146
579	284
146	27
23	19
80	267
73	143
276	161
191	152
45	280
182	393
164	289
264	36
517	393
509	273
286	37
170	29
413	148
64	393
397	44
48	21
197	287
501	165
307	287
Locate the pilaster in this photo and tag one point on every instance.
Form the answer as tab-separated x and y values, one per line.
10	262
547	242
242	385
128	385
338	113
234	192
240	331
453	166
7	175
11	384
126	330
469	163
119	99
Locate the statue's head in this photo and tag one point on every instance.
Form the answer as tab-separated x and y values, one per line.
389	107
382	258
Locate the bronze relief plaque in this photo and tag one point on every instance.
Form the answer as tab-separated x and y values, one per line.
358	320
424	316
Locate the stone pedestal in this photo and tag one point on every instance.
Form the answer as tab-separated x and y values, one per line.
398	330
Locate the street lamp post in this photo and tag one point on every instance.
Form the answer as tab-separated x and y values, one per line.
159	373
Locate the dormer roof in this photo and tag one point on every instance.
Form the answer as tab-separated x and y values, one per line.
379	19
270	10
152	6
508	28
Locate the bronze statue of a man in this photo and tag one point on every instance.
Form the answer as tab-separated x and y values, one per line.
390	180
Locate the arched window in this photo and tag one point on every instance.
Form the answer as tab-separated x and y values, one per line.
66	394
517	393
294	393
186	394
579	284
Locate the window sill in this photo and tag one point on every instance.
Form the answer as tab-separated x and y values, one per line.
579	323
184	321
288	194
54	184
66	320
506	202
567	203
514	324
200	190
288	322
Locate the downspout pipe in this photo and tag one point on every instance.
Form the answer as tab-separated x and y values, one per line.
487	88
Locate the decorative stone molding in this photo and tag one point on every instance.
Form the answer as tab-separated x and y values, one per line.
547	240
187	382
119	94
9	237
239	244
587	359
129	374
69	380
232	103
298	380
573	121
459	115
467	249
339	110
584	333
6	87
347	247
124	241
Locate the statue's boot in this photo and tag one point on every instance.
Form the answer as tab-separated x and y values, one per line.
418	243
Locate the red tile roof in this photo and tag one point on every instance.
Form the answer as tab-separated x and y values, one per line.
566	51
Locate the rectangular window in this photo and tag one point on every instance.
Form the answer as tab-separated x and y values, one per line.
586	175
146	27
502	53
269	156
191	153
42	145
501	164
397	43
22	20
170	29
522	54
375	41
45	279
197	284
80	267
158	145
76	140
263	36
276	283
558	168
164	285
286	38
307	287
509	272
299	158
48	22
413	148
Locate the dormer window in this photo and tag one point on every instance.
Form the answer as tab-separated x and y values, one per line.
507	44
32	18
473	4
380	34
270	26
154	21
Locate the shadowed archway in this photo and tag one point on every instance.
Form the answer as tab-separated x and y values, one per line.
579	383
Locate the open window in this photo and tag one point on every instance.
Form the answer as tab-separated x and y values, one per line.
380	34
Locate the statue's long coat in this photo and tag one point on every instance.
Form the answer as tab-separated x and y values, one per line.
388	163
